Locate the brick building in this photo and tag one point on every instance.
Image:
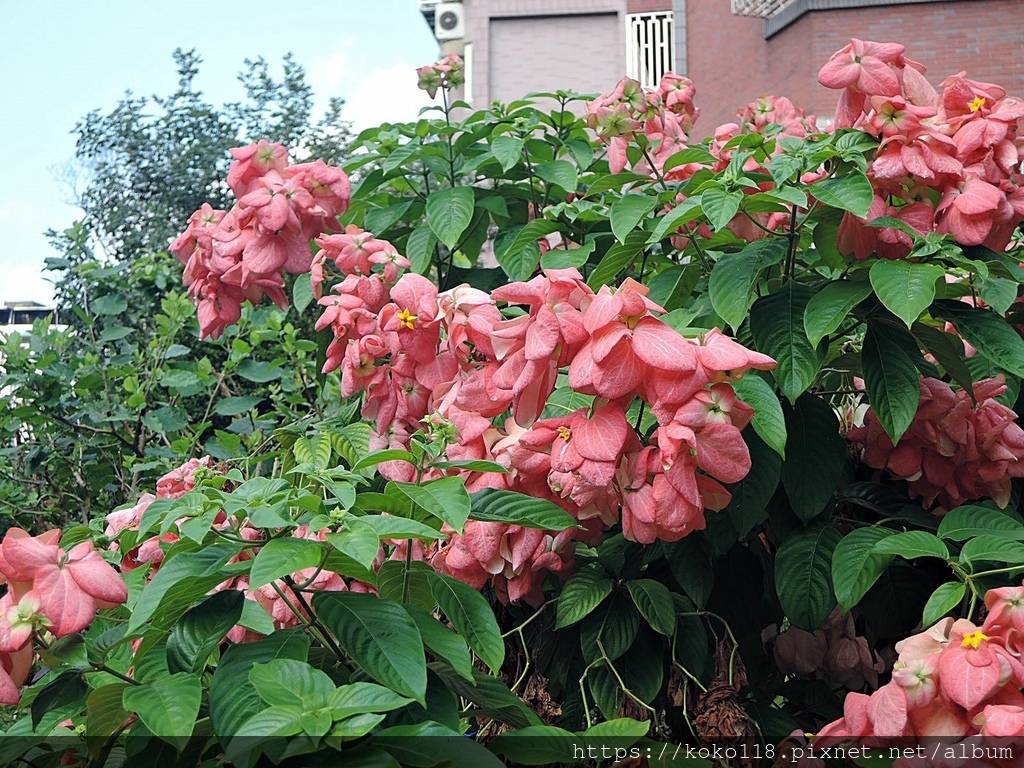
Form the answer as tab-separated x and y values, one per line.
734	50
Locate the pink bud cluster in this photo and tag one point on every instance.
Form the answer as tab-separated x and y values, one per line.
48	589
241	255
954	451
446	73
949	161
422	357
956	680
663	116
834	651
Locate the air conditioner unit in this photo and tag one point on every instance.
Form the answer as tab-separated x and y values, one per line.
449	21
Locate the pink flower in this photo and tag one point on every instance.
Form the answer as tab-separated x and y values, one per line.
864	67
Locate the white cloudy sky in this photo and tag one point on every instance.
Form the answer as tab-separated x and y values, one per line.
62	58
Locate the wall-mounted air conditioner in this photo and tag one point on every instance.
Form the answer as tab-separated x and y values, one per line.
449	21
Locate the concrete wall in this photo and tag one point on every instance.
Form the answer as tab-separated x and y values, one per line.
732	63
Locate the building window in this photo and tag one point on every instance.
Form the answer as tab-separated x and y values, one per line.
650	51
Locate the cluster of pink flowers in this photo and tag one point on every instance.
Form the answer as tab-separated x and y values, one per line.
949	161
954	451
420	356
446	73
48	589
956	680
241	255
834	651
664	116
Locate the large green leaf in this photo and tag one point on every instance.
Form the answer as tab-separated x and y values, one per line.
769	421
720	206
560	172
473	618
168	706
682	214
493	505
995	549
536	745
233	699
516	250
777	322
734	276
973	520
283	557
618	257
943	600
852	192
748	506
815	456
828	308
284	682
380	637
445	498
987	332
507	150
654	602
856	565
449	212
803	575
948	350
628	211
442	642
891	379
913	544
201	629
582	593
906	288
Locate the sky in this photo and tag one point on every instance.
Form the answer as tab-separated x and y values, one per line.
59	60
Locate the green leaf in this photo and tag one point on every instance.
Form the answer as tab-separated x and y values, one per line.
803	575
851	193
620	728
431	744
111	304
616	625
473	618
283	557
168	706
856	564
913	544
995	549
445	498
443	642
536	745
616	181
769	421
472	465
104	712
751	495
829	307
201	629
999	293
380	637
815	456
449	212
492	505
302	293
357	698
690	562
258	371
943	600
654	602
948	350
419	249
233	406
628	211
720	206
491	695
734	277
391	527
891	378
905	288
233	700
68	689
567	258
507	150
516	249
357	540
167	419
560	172
987	332
582	593
974	520
777	325
618	257
687	211
286	682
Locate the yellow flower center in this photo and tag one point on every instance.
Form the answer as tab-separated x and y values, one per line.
565	433
977	103
407	319
973	639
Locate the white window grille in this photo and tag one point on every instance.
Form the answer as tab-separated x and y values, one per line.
762	8
650	47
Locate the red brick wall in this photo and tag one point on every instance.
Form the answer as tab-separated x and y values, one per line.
648	6
732	63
